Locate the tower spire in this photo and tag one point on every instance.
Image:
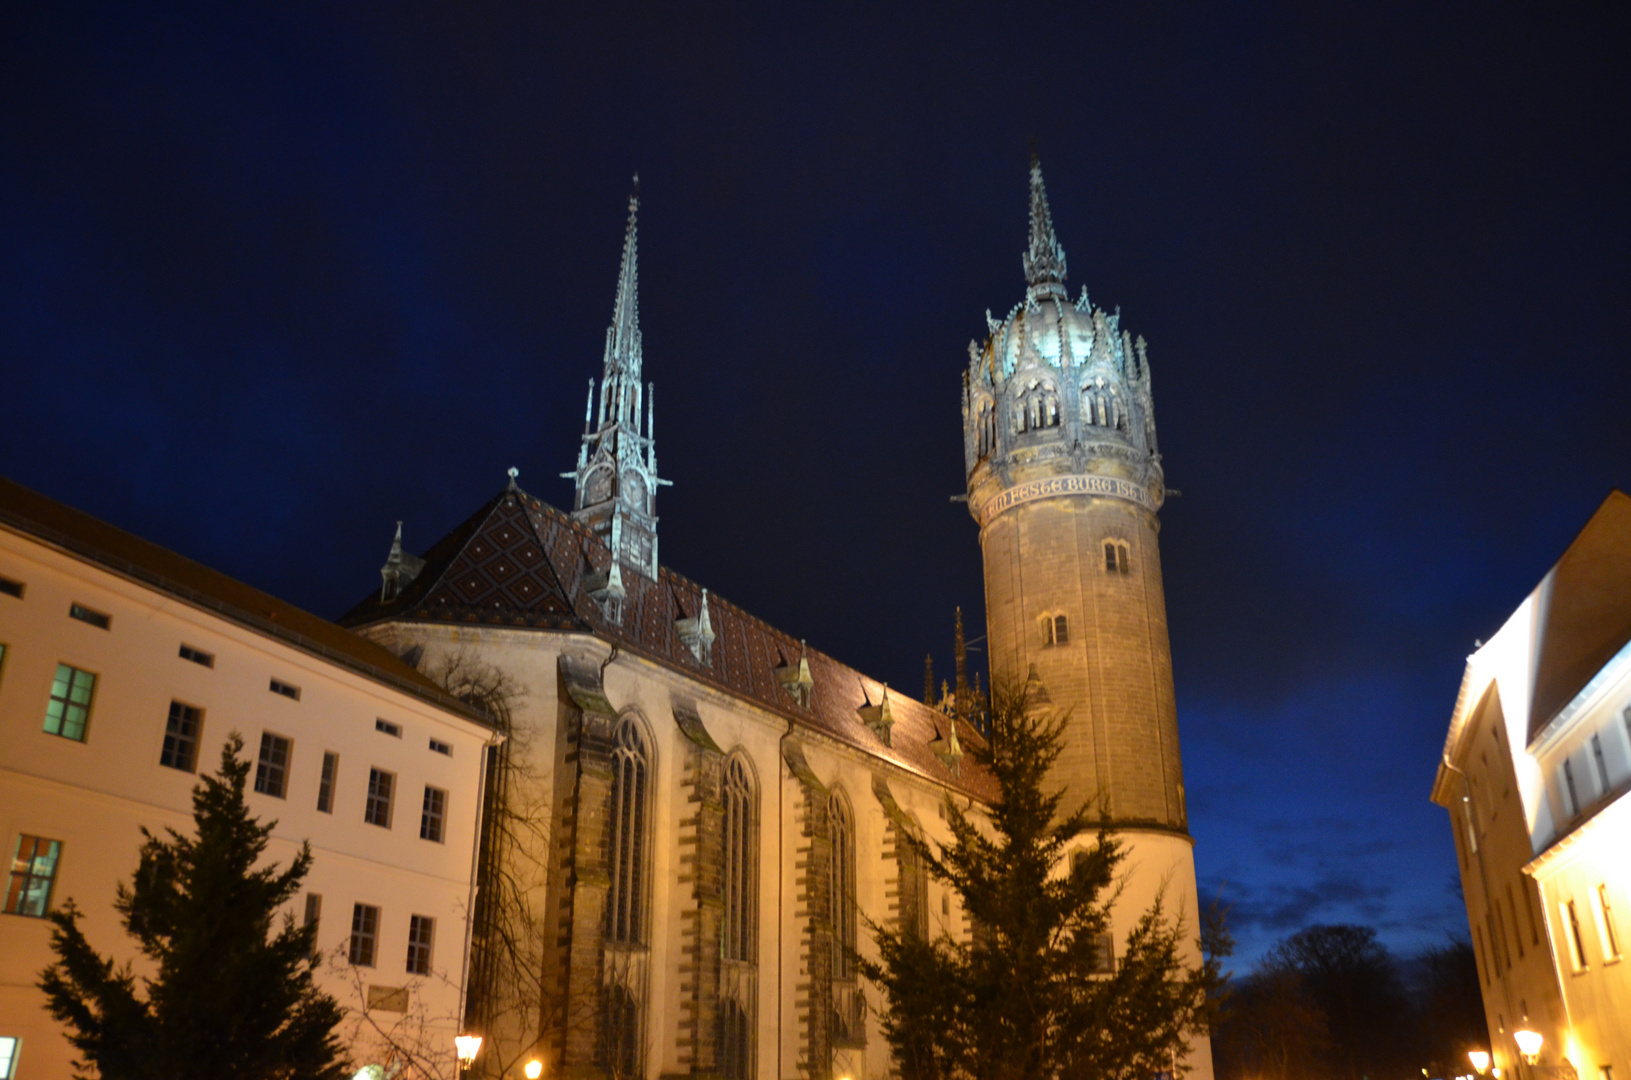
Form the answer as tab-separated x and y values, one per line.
1044	259
623	336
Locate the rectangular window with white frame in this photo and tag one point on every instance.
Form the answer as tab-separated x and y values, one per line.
34	862
272	767
377	810
421	935
326	781
364	935
182	732
434	815
69	710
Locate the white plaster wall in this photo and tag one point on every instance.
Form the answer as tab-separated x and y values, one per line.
94	795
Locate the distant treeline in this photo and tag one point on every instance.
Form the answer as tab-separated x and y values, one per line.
1332	1003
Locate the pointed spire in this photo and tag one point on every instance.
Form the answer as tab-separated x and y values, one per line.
399	570
623	336
1044	259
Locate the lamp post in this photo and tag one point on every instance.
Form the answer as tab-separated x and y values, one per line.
1528	1044
534	1069
467	1046
1479	1059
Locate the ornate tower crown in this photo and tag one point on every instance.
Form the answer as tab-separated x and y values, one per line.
1057	389
616	475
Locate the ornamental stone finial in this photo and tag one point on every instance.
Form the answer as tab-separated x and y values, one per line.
1044	259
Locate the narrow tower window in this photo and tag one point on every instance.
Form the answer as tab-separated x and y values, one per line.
625	906
1061	630
1116	560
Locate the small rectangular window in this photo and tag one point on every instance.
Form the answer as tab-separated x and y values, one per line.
1110	558
181	735
314	909
288	691
325	783
421	933
197	656
272	770
11	588
377	811
1061	630
435	813
33	869
364	934
9	1046
70	706
437	746
95	618
385	726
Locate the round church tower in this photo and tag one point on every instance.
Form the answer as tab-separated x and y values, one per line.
1064	479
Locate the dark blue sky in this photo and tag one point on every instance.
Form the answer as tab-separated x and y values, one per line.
271	279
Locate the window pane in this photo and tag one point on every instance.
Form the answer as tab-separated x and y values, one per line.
325	783
377	810
70	704
421	933
181	734
364	934
435	810
272	770
33	868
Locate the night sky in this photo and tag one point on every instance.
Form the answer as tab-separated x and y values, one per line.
271	280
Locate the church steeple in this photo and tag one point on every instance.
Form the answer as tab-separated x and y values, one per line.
616	473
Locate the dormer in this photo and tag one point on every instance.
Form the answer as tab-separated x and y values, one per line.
880	717
697	634
797	680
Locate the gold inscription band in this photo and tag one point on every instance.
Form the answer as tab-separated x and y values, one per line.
1054	486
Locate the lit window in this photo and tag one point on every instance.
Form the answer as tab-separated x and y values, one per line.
11	588
364	935
439	747
433	815
626	900
741	901
272	769
421	932
198	656
285	689
388	728
377	810
90	616
325	782
33	868
9	1045
181	735
70	704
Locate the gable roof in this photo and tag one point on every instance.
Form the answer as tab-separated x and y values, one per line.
518	562
1585	610
129	556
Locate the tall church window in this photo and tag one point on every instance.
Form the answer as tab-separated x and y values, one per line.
626	899
1116	560
735	1043
620	1033
842	884
741	842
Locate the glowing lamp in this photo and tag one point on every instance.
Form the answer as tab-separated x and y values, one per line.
535	1069
468	1046
1528	1044
1479	1059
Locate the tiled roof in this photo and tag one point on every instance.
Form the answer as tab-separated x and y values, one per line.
520	563
129	556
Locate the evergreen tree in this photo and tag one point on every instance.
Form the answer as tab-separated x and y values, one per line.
1026	997
229	998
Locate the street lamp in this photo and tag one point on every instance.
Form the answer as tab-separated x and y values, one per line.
1528	1044
535	1069
1479	1059
468	1046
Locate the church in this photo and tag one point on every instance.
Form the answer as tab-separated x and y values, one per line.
692	815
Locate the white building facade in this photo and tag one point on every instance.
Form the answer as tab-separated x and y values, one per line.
1535	775
123	669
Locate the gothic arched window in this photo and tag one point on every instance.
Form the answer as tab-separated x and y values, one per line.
631	772
741	846
735	1042
1116	560
620	1033
841	880
1061	630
